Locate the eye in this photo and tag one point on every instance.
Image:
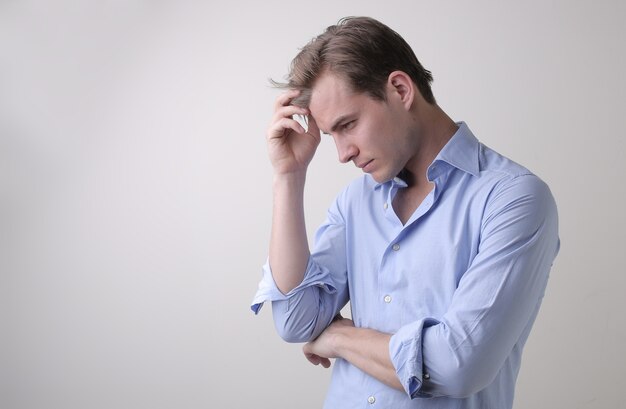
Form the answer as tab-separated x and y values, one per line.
349	125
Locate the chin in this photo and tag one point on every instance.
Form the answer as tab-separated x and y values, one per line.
381	178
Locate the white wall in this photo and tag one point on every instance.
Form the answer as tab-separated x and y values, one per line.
135	190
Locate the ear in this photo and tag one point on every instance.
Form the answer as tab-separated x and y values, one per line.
401	86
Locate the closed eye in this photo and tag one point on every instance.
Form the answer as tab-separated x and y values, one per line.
349	125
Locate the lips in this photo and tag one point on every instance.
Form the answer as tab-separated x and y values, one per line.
363	165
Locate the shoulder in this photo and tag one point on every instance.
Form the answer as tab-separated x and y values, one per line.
495	165
504	174
514	190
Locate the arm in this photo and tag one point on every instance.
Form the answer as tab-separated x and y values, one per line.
302	314
289	248
306	290
291	149
496	301
364	348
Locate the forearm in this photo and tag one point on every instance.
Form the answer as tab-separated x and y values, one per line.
368	350
365	348
289	248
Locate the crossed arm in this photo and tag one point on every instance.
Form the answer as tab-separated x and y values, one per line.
364	348
492	309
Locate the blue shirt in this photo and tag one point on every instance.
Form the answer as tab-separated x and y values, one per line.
459	285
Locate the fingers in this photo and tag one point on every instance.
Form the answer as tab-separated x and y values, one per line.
285	98
318	360
284	113
291	142
312	358
289	111
283	107
277	128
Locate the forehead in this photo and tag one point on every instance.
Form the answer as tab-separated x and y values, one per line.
332	98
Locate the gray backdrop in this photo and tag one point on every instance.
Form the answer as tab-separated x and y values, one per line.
135	190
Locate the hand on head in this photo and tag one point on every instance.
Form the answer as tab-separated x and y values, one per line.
290	146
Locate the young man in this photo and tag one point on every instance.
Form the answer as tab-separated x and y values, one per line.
442	248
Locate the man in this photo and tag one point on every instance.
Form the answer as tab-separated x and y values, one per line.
442	248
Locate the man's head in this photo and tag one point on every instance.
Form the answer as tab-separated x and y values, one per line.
364	52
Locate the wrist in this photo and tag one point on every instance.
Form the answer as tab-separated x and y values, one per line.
290	175
289	180
342	340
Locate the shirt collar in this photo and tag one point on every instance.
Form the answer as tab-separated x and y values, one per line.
395	182
461	151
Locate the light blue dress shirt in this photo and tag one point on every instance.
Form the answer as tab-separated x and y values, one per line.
459	285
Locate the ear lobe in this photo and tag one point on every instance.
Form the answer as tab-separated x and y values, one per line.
402	85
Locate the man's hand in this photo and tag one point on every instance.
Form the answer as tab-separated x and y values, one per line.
290	146
324	347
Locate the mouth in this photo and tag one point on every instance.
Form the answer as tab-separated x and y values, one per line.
364	165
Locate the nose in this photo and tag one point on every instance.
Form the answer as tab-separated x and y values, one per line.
346	151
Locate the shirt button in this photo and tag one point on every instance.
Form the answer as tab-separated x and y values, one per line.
396	247
387	299
426	376
371	400
386	205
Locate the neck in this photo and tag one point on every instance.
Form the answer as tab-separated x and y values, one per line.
433	129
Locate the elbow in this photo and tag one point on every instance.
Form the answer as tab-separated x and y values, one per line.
464	385
462	380
292	337
291	326
292	333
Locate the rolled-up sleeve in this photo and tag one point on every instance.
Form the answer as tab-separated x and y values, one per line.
496	301
406	354
268	290
304	312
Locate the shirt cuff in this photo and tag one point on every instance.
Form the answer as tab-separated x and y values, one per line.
268	291
405	350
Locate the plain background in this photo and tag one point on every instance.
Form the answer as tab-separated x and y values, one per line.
135	190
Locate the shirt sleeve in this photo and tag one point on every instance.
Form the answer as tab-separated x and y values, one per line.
496	301
268	290
304	312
